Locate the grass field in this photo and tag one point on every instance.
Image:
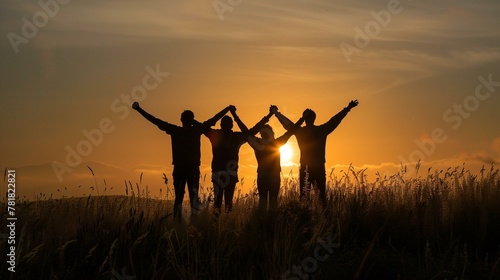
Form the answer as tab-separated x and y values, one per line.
441	224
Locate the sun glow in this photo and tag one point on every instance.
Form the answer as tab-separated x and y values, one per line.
286	155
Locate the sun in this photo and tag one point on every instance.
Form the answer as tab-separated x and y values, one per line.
286	154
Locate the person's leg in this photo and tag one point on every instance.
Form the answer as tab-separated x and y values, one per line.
319	179
274	189
218	182
229	192
193	182
263	189
304	178
179	185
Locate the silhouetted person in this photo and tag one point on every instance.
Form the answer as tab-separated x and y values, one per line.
185	154
267	153
226	145
312	142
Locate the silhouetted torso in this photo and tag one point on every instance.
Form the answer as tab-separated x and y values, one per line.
185	142
225	148
267	153
312	143
312	140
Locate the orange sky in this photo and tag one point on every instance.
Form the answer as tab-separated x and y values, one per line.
416	76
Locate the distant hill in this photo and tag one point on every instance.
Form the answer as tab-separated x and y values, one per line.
35	179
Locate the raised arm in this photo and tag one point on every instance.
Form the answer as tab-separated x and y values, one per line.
238	121
217	117
161	124
285	122
335	120
284	138
257	127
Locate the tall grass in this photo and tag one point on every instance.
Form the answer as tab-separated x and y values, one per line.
443	225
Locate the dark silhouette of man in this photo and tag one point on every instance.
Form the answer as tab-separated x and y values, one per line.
226	145
267	153
312	141
185	154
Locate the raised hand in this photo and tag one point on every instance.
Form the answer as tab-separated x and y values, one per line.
232	108
135	105
353	104
273	109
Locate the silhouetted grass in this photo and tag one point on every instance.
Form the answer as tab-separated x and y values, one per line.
445	225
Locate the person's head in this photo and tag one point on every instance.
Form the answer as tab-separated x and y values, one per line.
309	116
226	123
267	133
187	118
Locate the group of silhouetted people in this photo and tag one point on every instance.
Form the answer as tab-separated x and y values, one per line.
226	144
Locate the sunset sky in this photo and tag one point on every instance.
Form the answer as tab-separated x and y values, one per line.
420	69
